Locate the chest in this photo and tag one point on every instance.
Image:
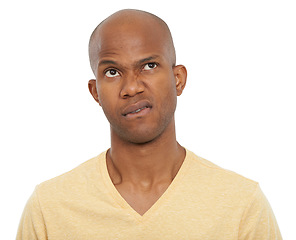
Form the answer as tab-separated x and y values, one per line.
143	198
183	218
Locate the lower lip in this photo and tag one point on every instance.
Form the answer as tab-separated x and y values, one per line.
139	114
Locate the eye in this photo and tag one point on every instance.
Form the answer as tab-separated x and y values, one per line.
150	66
111	73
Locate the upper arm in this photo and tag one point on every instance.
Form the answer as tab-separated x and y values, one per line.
32	225
258	220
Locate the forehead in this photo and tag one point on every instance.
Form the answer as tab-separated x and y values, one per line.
130	38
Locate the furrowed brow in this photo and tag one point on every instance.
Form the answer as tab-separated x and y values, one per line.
144	60
107	62
136	64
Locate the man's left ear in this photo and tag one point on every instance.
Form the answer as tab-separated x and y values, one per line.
180	74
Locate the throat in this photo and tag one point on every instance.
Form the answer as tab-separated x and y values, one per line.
141	199
142	179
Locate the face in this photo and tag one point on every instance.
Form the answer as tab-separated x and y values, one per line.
137	84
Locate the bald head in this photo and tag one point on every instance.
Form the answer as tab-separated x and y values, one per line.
126	24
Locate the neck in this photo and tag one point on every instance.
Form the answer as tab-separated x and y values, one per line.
157	160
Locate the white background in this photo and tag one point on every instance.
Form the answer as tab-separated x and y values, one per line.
238	109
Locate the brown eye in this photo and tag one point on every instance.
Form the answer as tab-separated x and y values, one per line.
112	73
150	66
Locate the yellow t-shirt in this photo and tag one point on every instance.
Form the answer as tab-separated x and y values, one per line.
203	202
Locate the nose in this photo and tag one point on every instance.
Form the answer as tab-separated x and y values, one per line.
131	86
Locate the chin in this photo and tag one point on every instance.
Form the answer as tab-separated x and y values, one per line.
140	136
144	133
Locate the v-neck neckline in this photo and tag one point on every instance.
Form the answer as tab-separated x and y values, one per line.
123	203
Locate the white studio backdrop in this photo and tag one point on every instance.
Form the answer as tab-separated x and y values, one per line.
238	109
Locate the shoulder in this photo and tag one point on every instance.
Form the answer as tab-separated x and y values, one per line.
213	170
219	180
72	182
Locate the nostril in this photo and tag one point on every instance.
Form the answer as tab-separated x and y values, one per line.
132	88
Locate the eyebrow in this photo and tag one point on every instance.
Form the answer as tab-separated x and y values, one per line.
137	63
140	62
107	62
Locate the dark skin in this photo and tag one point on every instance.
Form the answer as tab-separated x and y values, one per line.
137	84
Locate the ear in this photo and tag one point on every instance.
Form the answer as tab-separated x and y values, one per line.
92	86
180	73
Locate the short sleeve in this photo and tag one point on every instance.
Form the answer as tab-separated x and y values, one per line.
258	220
32	226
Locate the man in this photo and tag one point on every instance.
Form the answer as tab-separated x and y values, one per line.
146	186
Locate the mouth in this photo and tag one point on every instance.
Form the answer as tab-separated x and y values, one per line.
138	108
136	111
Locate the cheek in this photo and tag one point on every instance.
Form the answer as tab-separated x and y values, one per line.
107	98
166	88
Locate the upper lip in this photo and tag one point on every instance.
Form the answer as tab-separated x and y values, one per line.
135	106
